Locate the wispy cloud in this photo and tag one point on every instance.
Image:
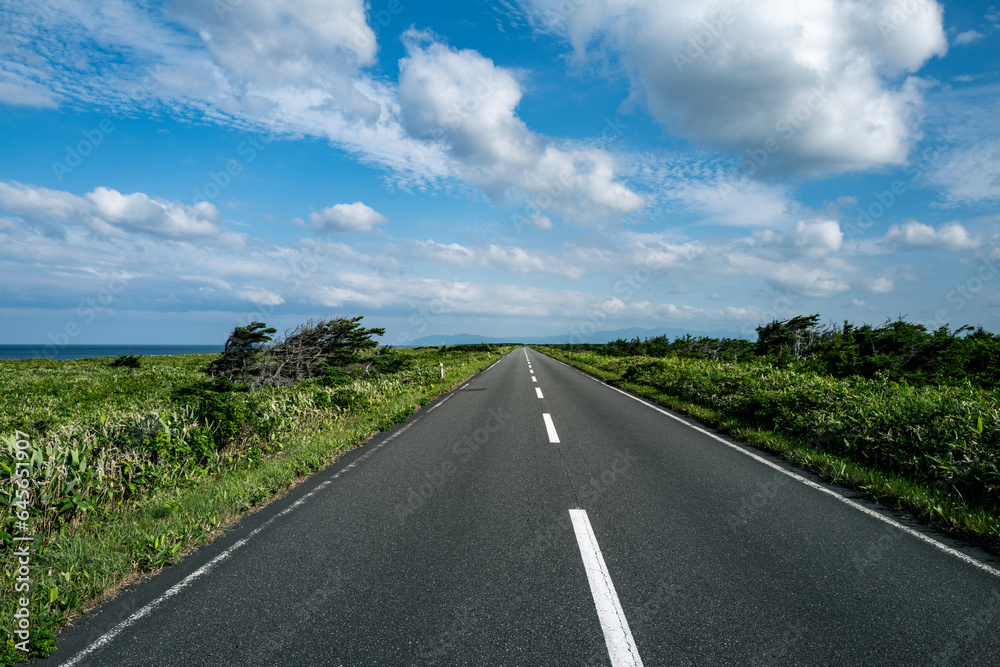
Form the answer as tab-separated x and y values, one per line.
967	37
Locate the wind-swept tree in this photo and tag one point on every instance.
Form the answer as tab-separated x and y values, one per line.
240	359
253	359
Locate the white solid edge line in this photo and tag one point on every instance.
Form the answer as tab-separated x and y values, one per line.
550	427
617	635
830	492
492	365
441	402
108	636
538	392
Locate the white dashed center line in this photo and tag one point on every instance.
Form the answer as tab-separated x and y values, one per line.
538	392
550	427
618	637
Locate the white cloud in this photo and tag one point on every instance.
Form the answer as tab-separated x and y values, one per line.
461	101
797	277
260	296
876	284
658	252
508	259
302	67
816	238
913	234
296	67
37	203
820	79
808	238
347	218
446	253
111	212
967	37
138	212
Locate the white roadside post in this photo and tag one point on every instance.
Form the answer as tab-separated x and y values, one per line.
442	370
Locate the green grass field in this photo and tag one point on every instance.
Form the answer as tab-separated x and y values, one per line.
127	470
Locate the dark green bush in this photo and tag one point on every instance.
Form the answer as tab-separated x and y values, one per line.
897	350
127	361
944	436
388	361
225	414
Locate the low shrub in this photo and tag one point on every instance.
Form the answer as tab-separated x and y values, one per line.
944	436
127	361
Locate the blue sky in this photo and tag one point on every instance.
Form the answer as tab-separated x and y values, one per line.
516	168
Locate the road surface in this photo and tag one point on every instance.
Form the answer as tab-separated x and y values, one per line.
537	516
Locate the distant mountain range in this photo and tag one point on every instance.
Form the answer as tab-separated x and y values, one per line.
597	337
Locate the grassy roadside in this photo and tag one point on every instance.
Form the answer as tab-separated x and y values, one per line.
941	507
103	549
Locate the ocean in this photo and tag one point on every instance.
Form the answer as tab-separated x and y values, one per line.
90	351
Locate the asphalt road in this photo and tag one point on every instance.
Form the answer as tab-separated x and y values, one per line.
450	540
